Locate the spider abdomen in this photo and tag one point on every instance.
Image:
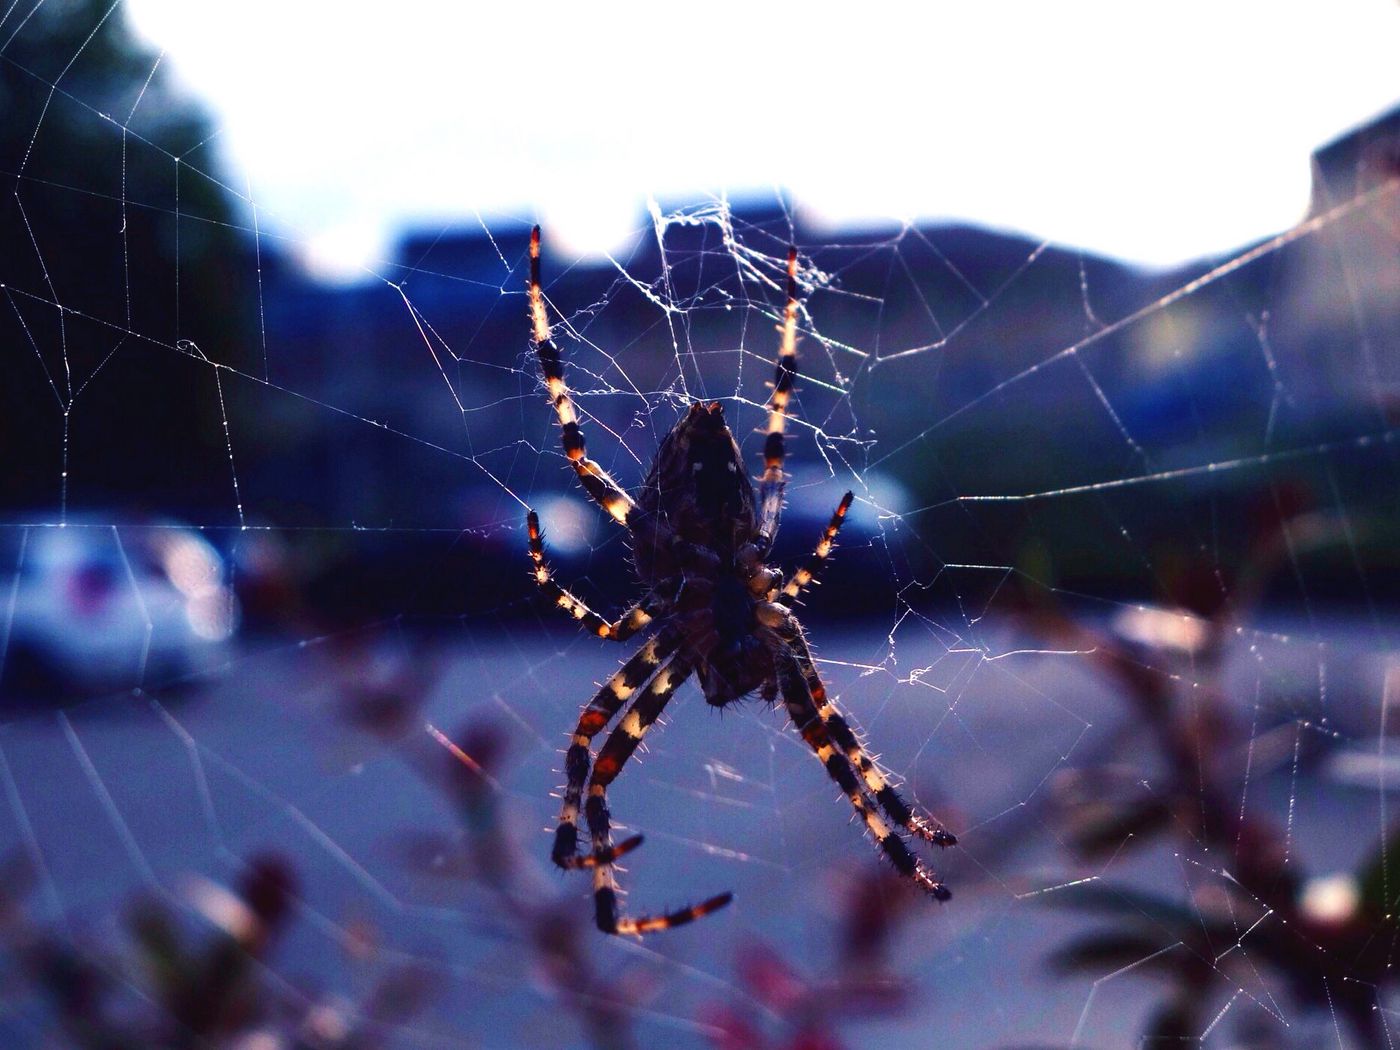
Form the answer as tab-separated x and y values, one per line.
698	488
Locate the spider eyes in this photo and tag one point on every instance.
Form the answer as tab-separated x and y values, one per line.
696	468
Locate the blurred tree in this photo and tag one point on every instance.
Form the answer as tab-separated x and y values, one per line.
125	268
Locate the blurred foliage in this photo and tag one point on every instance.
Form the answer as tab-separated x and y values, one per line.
1180	774
795	1005
784	1004
553	939
190	976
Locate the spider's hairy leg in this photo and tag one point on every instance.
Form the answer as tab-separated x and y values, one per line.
844	737
626	625
805	575
802	709
591	721
599	485
770	488
891	801
618	748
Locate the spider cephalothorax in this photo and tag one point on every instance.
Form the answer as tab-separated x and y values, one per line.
701	537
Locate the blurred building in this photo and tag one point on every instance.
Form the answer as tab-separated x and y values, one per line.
1036	367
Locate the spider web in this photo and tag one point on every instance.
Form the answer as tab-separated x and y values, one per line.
1122	560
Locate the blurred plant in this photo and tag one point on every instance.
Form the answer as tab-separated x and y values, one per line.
171	987
1331	940
790	1010
382	692
527	913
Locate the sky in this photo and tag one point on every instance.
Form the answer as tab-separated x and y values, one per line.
1153	132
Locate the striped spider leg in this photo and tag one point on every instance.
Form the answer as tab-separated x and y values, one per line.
816	731
843	736
624	627
596	481
804	576
773	481
622	742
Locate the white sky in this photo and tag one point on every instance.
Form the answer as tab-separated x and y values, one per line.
1152	131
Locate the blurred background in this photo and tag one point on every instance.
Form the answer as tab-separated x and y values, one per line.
1100	322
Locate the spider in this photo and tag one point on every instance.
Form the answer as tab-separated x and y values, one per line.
700	539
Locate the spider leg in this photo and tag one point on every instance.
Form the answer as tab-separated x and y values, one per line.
806	716
626	625
805	575
596	481
591	721
770	488
844	737
620	745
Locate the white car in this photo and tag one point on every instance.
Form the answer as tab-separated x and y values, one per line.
90	608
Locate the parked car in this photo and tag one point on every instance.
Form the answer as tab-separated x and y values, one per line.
93	607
